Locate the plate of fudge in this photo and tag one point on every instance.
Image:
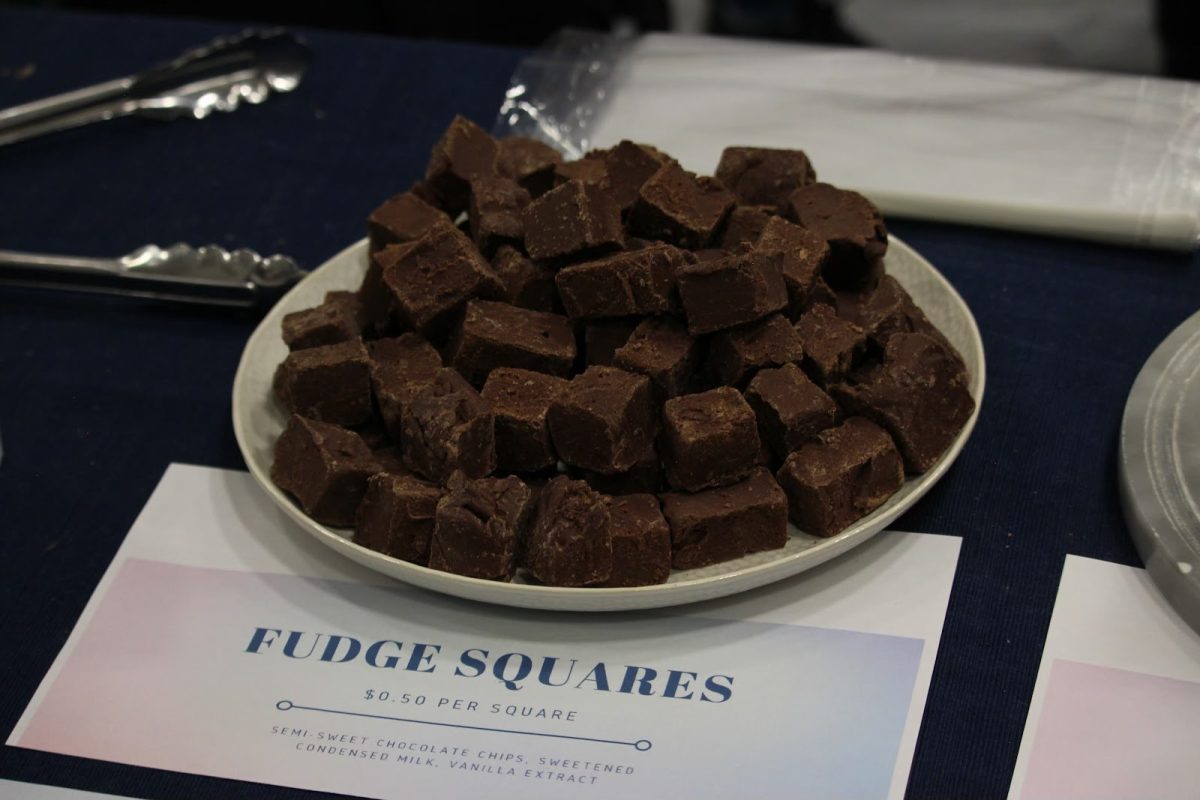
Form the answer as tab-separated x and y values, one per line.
608	383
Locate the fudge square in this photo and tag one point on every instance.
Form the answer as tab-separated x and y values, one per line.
465	152
764	175
641	541
396	516
331	383
324	467
710	439
678	207
335	320
630	283
573	218
432	278
831	344
478	526
727	522
804	254
846	473
732	290
849	222
570	543
604	420
401	219
494	215
526	283
791	409
628	165
501	335
528	162
400	366
447	426
919	394
735	354
661	349
521	400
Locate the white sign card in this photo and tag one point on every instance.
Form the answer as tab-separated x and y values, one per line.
224	641
1115	707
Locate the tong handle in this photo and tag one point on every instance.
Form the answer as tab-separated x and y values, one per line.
110	276
68	110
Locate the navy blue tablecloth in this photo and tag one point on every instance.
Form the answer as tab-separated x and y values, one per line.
98	395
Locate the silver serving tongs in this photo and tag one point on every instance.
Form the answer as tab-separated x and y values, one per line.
208	275
216	77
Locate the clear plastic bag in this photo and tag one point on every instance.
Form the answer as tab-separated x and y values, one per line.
557	93
1105	157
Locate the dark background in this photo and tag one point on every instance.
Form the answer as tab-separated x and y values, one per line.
529	23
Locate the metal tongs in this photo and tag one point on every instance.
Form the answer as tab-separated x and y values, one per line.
209	275
216	77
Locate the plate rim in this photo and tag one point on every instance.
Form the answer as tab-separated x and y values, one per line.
614	598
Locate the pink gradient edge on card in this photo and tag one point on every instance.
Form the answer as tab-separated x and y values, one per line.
1113	733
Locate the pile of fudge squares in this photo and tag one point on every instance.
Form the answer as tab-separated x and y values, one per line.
590	373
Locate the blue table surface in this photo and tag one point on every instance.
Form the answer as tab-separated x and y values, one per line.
100	394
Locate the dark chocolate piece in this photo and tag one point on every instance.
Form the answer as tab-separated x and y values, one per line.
886	310
805	255
845	474
709	439
402	218
731	291
446	426
478	527
501	335
328	323
641	541
727	522
676	206
399	367
625	284
571	219
831	344
644	476
494	214
349	301
528	162
570	543
790	408
764	175
521	399
744	226
661	349
331	383
604	421
628	165
526	283
735	354
432	278
586	170
396	516
324	467
603	337
465	152
850	223
918	394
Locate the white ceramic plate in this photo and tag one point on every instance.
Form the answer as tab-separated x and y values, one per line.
257	422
